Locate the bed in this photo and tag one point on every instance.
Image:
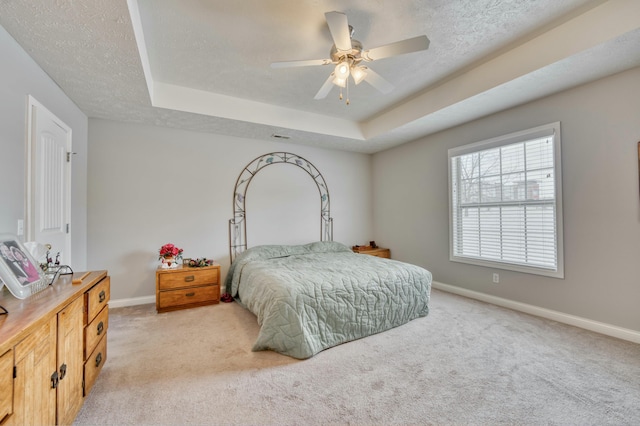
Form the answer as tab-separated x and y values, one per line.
311	297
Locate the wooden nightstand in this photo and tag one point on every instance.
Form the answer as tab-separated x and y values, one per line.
185	287
378	251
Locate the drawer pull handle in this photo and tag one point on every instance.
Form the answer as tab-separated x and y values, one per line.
100	328
63	371
54	380
190	294
102	296
189	278
98	359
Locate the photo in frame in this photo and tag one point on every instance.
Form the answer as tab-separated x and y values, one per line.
18	269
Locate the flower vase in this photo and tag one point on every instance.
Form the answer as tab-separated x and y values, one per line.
169	262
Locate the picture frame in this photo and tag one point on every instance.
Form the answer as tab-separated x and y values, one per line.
18	269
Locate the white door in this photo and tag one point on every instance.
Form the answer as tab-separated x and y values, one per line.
49	181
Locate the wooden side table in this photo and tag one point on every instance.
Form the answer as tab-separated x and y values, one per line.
184	287
378	251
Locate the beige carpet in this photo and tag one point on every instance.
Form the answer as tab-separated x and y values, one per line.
466	363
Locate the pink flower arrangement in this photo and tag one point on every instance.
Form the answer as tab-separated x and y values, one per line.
169	250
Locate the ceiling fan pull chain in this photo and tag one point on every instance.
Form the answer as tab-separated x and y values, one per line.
347	102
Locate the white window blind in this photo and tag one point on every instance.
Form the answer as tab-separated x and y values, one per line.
505	202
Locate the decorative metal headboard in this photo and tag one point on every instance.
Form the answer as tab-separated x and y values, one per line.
238	225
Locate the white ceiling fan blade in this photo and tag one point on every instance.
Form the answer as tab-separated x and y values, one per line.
339	28
374	79
325	89
290	64
398	48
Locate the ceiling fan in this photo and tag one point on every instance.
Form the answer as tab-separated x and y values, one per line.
347	55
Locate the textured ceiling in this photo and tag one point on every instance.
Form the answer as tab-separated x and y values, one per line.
204	65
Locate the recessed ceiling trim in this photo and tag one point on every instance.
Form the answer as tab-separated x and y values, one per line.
603	22
185	99
594	27
136	22
180	98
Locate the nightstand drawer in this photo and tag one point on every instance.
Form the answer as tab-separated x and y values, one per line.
377	252
95	331
380	253
188	278
195	295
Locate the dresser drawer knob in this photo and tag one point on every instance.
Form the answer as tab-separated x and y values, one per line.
189	278
98	359
190	294
100	328
102	296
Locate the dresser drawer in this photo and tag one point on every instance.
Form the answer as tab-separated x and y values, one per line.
96	299
195	295
187	278
94	364
95	331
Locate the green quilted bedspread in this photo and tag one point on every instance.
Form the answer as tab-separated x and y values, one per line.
311	297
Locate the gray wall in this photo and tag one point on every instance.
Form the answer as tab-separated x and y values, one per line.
150	185
600	131
20	77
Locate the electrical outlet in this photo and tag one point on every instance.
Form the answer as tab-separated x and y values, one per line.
496	278
20	227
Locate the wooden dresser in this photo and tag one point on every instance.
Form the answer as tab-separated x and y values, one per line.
185	287
50	344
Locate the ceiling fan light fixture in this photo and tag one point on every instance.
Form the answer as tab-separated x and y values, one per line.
341	82
358	74
342	70
347	53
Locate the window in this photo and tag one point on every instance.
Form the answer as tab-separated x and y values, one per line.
506	202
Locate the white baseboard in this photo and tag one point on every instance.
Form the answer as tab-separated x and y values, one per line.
587	324
119	303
